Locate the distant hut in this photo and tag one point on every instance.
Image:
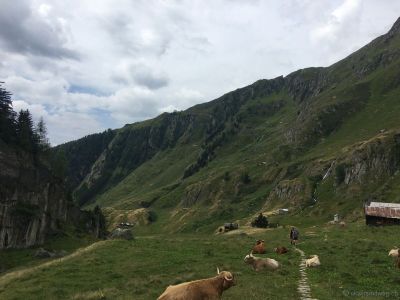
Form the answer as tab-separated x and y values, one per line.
380	213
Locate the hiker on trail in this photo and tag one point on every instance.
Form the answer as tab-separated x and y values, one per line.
294	236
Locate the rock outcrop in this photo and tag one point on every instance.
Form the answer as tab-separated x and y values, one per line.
373	159
291	192
33	202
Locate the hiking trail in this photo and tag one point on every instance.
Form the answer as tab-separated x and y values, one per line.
303	286
13	275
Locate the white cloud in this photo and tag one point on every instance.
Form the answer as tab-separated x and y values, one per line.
344	15
86	65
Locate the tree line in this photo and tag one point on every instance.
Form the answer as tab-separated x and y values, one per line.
18	128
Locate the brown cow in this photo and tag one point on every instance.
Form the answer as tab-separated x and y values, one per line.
398	259
259	247
281	250
203	289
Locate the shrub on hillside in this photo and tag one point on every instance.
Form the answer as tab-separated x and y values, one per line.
261	221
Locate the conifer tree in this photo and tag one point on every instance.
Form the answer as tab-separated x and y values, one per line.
7	116
26	137
41	135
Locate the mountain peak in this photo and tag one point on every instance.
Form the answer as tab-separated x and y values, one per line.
395	28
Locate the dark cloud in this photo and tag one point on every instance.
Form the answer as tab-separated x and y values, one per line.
145	76
150	81
24	32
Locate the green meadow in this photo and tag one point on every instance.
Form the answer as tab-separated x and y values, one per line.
354	264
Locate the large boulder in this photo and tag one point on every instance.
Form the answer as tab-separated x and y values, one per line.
121	233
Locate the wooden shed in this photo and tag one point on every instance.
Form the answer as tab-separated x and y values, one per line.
381	213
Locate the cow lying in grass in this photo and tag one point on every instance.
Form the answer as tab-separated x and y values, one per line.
394	252
203	289
259	263
259	247
313	261
281	250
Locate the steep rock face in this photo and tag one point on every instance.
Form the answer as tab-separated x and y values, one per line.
132	146
290	192
82	154
373	159
306	83
32	201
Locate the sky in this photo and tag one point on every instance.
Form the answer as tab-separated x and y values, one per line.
88	65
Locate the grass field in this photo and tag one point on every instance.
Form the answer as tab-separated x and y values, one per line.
354	263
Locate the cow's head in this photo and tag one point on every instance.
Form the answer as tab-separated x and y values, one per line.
228	279
249	259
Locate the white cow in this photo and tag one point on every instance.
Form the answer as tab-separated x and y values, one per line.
313	261
394	252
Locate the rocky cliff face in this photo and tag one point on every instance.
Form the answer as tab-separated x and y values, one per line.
293	192
372	159
32	202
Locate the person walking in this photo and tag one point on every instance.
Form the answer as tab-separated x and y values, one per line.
294	236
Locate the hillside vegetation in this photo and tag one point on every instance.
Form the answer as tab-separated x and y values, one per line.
318	141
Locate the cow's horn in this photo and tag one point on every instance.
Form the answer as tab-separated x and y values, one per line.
218	271
228	279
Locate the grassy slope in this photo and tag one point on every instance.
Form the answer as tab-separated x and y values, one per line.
11	259
141	269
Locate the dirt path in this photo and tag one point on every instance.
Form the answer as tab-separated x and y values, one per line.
303	286
8	277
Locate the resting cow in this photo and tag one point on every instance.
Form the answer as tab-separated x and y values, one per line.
394	252
203	289
398	259
313	261
281	250
259	263
259	247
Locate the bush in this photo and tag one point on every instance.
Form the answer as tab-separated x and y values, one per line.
261	221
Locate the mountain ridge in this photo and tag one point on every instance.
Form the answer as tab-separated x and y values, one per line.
270	132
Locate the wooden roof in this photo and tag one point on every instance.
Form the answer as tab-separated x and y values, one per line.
385	210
